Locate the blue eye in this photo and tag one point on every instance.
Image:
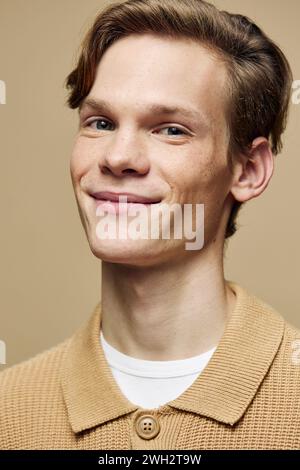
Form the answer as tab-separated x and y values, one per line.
174	131
101	125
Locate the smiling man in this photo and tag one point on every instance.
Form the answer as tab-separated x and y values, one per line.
179	104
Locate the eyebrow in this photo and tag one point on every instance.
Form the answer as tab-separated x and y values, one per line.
155	108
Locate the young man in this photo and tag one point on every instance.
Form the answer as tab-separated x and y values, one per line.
179	103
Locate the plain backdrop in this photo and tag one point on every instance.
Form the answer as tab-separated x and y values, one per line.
50	281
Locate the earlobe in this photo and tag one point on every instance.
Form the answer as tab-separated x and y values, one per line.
253	173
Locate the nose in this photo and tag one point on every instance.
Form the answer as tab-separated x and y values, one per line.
124	154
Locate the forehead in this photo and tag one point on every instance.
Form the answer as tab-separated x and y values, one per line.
145	69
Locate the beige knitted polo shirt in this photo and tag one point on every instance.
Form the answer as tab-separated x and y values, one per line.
247	397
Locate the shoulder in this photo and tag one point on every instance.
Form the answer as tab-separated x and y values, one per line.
286	362
283	379
271	331
33	410
290	347
43	366
29	393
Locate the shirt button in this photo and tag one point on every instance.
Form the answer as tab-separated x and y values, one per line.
147	426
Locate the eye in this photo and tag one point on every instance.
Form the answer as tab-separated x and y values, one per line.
173	131
100	125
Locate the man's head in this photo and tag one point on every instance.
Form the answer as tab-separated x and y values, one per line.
234	81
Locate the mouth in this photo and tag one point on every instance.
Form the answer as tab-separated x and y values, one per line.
124	198
121	202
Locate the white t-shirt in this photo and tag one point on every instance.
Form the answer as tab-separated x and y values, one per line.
150	384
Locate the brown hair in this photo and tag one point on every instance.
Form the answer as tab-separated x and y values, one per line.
259	75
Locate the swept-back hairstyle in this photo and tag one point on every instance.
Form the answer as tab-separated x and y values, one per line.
259	76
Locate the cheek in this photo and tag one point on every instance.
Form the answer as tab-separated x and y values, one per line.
191	175
205	178
80	161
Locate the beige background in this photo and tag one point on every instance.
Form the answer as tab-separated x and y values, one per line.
50	281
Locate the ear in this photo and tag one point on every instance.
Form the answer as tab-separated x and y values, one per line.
252	173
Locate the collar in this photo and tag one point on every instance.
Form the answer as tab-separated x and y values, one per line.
222	391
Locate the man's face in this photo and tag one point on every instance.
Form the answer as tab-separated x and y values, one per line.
129	145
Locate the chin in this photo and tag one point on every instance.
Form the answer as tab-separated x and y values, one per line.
130	252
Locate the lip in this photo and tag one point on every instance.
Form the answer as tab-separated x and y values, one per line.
111	203
109	196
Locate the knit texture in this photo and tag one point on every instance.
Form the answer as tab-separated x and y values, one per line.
247	396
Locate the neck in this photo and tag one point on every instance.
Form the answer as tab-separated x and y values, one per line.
167	312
